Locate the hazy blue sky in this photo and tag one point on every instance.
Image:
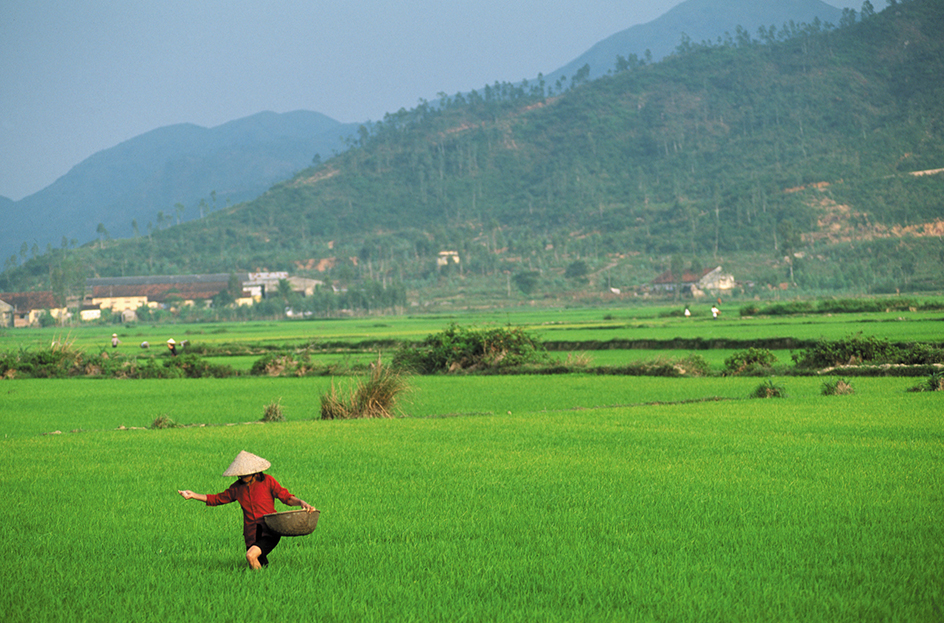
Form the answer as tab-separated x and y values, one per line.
79	77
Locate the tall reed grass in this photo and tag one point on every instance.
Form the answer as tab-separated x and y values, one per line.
374	395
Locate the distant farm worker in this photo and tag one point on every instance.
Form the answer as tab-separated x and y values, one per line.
114	340
715	311
256	493
172	345
687	313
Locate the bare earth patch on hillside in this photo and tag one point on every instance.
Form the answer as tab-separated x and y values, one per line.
318	176
840	223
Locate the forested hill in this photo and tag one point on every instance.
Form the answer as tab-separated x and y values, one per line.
700	20
175	172
797	142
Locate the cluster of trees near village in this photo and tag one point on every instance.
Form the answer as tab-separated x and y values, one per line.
789	155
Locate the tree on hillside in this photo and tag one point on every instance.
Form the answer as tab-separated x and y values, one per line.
526	281
67	279
789	240
102	234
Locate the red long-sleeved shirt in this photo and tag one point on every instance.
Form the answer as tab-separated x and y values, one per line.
256	499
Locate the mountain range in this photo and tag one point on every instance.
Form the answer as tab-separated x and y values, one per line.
180	172
168	175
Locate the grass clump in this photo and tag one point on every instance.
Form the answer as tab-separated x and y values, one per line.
164	421
769	389
934	383
839	387
578	361
373	396
272	412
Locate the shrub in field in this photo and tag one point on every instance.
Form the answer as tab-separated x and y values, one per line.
921	354
750	361
870	350
164	421
462	349
193	367
837	306
854	306
768	389
272	412
298	364
779	309
59	360
849	351
275	364
660	366
749	310
372	397
577	361
692	365
147	368
839	387
934	383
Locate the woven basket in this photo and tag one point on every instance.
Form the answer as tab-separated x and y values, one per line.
292	523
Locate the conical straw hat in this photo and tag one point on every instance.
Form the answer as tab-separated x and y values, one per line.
247	463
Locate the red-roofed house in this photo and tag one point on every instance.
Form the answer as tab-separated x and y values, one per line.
712	280
126	294
23	309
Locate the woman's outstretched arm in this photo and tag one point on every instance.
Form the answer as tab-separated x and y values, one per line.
190	495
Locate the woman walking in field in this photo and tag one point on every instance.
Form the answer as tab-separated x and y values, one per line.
256	493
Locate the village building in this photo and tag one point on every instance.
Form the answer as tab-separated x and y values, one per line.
265	285
6	314
713	281
89	312
125	295
447	257
24	309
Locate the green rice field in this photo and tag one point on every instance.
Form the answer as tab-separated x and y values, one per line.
572	498
639	323
353	342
